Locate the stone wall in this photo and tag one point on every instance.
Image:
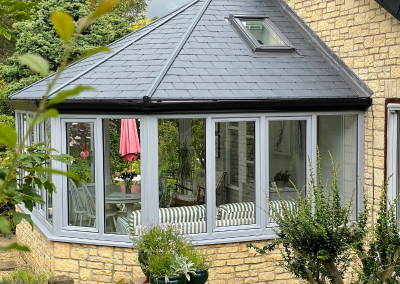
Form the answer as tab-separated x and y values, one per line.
367	38
88	264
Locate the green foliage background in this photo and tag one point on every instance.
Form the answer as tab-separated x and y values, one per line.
39	37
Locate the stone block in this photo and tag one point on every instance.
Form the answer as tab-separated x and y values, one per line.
66	265
61	280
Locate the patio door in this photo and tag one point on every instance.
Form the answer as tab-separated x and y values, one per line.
288	149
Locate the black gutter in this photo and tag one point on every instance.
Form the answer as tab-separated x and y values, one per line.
220	106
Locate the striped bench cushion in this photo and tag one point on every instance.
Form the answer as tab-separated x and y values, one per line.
236	210
195	223
278	206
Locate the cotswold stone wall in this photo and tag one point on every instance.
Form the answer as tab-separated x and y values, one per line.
88	264
367	38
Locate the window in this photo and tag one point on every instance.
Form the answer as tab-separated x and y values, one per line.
337	137
208	173
393	153
182	173
122	174
260	34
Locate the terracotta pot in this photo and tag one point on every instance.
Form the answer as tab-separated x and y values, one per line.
172	280
200	277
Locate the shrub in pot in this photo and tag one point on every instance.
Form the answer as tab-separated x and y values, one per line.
165	256
282	178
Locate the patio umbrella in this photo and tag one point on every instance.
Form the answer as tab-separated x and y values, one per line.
129	142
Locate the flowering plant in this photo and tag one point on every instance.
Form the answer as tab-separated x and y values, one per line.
128	177
163	251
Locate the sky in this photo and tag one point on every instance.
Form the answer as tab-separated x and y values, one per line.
159	8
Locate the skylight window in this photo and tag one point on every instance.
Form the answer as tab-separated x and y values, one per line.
261	34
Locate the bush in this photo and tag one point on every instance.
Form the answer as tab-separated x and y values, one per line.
25	276
316	236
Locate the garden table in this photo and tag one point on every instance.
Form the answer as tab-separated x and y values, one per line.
115	194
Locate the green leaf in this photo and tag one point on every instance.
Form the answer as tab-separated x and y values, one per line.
57	172
104	7
121	281
8	136
5	226
64	25
16	247
93	51
51	113
35	62
18	217
61	96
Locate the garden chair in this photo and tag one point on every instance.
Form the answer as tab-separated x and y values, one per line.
90	205
196	194
77	205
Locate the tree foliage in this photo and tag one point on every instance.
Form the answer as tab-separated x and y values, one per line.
132	10
39	37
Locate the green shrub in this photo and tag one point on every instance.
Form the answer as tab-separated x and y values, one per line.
25	276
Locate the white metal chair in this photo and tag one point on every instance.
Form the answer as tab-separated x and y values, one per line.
77	205
90	205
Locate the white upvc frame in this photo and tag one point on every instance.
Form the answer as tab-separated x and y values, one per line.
149	166
392	156
311	136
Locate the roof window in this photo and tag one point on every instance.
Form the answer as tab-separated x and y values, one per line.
261	34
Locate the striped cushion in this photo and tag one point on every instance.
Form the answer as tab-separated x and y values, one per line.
184	228
278	206
181	214
236	210
235	222
191	219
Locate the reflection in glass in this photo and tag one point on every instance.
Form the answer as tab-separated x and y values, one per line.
337	135
234	176
82	197
287	161
262	32
122	174
181	171
49	197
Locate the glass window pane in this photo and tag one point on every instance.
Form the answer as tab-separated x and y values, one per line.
181	150
122	175
234	176
262	32
82	197
287	160
337	135
49	197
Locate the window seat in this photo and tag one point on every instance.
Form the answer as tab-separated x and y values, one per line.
191	219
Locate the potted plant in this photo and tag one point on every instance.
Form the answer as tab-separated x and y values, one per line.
128	180
201	264
165	256
170	268
281	178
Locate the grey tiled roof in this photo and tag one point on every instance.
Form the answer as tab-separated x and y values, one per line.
194	54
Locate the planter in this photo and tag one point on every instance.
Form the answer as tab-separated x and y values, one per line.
172	280
200	277
144	263
280	184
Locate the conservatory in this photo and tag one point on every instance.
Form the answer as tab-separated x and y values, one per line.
197	119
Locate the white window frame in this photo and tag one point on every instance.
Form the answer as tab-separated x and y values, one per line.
392	156
149	160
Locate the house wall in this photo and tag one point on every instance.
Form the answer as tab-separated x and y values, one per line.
89	264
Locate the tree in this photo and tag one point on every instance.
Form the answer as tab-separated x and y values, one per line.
41	39
132	10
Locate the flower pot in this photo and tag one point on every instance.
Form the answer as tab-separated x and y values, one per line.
172	280
200	277
280	184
